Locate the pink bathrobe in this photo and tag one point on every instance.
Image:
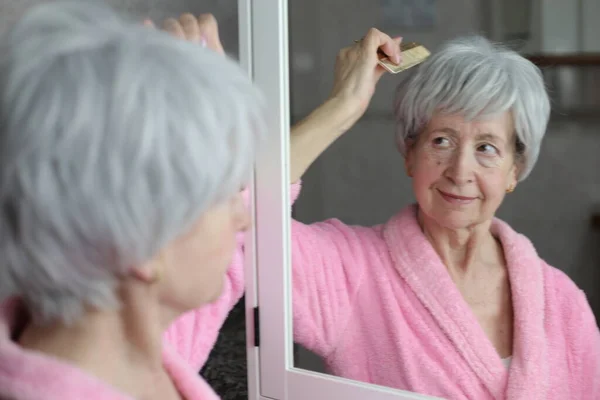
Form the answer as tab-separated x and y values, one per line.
378	305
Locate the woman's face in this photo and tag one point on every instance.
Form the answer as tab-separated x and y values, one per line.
462	169
195	264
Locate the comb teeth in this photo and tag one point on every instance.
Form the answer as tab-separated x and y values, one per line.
412	54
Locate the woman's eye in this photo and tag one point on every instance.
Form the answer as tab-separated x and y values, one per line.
441	142
487	149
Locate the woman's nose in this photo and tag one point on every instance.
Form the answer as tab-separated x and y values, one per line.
461	168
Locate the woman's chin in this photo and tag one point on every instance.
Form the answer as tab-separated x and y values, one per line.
451	219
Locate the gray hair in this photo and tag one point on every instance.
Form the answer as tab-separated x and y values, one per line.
114	139
476	78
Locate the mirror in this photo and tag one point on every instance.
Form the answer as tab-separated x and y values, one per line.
375	321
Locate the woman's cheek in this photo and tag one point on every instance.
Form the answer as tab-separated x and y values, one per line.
437	156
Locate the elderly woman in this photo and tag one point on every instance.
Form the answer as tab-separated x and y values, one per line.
123	150
443	299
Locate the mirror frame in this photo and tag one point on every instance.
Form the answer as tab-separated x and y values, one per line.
263	33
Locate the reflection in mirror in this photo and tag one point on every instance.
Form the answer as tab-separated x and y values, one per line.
407	268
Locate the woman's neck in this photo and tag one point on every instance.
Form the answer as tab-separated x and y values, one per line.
121	347
463	251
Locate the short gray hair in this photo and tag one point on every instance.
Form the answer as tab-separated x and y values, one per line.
114	139
476	78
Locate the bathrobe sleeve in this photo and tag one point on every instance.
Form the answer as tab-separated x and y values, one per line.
329	262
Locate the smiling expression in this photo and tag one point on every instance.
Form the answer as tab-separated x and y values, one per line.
462	169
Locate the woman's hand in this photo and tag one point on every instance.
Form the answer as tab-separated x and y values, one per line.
357	71
203	30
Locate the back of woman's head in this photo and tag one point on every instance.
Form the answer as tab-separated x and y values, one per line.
114	138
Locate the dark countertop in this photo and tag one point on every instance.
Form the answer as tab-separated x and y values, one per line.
226	369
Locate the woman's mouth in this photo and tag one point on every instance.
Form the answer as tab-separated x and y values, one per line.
456	199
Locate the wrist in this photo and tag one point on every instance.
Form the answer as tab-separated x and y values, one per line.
311	136
342	112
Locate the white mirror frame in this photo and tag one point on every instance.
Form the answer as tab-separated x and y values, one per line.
263	32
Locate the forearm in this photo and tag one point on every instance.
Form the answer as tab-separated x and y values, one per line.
311	136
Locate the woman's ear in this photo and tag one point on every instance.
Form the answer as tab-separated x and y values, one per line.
148	273
513	178
143	274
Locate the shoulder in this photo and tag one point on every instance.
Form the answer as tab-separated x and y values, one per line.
400	227
564	295
336	230
336	240
353	246
569	320
563	298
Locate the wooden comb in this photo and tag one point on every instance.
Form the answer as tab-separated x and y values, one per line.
412	54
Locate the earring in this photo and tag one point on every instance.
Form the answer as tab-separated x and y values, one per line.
159	270
510	189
